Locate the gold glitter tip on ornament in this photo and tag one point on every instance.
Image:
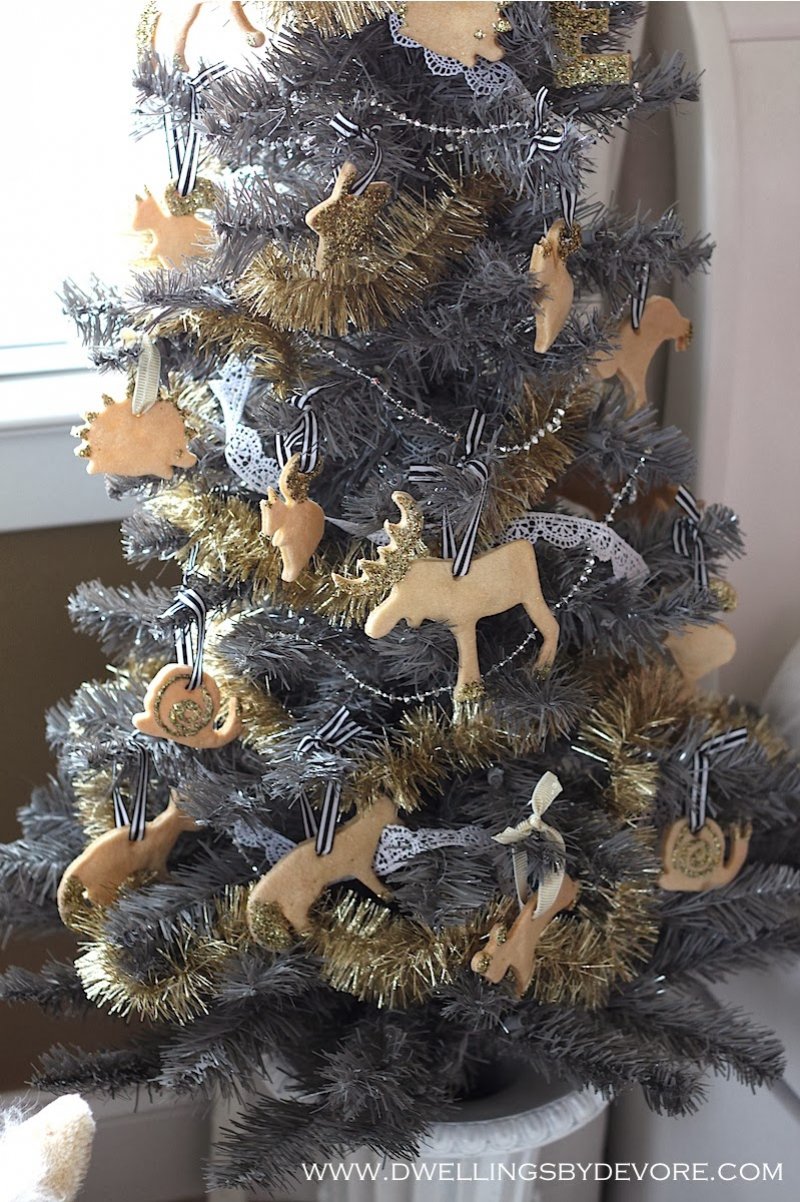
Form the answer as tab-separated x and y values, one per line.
202	196
146	30
270	928
724	594
416	243
573	68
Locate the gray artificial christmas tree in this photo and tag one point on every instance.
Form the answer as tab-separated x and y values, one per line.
411	775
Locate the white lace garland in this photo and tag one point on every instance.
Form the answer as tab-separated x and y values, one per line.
567	532
243	450
484	79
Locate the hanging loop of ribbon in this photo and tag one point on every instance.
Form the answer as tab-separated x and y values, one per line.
697	809
148	369
189	651
303	437
686	536
137	818
346	128
547	790
461	552
183	149
337	731
639	296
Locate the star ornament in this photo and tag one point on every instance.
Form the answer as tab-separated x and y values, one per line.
121	443
344	223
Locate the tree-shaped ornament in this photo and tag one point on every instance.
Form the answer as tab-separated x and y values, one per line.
421	587
345	221
549	266
121	442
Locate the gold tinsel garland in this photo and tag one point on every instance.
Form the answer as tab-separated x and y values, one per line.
330	17
271	353
417	241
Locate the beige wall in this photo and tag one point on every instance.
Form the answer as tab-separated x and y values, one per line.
44	660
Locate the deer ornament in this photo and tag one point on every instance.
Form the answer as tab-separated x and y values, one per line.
295	524
423	587
280	903
634	351
99	872
549	265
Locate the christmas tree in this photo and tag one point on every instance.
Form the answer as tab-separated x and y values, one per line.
411	774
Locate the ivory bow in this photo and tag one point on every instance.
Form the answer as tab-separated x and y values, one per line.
546	791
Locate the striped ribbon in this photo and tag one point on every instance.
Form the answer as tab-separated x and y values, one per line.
569	202
138	815
183	149
541	142
346	128
639	296
336	732
303	437
686	536
189	650
461	552
548	788
697	808
148	376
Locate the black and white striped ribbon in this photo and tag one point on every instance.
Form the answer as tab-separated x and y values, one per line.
189	642
639	297
569	202
701	767
541	142
336	732
138	816
303	437
460	551
686	536
346	128
183	149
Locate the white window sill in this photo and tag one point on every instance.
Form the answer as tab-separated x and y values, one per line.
44	483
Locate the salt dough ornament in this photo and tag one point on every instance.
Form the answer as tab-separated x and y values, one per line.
187	716
514	949
295	524
253	37
456	30
344	223
549	264
696	861
174	237
698	650
423	587
98	873
661	321
281	901
119	442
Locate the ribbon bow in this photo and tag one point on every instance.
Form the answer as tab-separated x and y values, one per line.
138	814
336	732
423	473
183	150
346	128
189	651
686	536
546	143
303	437
546	791
701	767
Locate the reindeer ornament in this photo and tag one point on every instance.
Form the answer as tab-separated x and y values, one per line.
549	265
423	587
295	524
661	321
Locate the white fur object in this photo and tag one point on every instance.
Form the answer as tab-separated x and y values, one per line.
44	1157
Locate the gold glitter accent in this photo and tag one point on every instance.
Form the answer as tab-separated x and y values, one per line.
698	854
269	926
417	242
202	196
296	483
330	17
75	907
146	30
569	240
574	68
479	34
724	594
185	717
344	223
377	576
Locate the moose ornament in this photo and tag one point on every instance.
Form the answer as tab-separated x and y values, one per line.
634	349
422	587
294	525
